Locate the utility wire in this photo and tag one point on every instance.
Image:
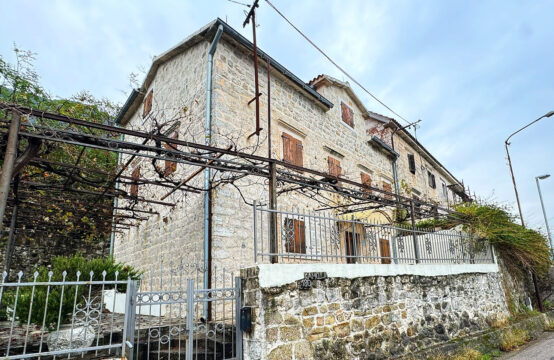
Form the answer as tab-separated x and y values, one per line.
239	3
333	62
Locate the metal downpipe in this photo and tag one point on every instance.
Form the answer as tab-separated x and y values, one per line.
207	141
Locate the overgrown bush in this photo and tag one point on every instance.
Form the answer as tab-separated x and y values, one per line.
519	247
32	300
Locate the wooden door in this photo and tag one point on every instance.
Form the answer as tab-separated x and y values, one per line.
350	242
384	245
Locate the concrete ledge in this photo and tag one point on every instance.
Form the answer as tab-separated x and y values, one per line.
271	275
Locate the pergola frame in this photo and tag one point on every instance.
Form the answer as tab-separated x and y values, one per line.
85	134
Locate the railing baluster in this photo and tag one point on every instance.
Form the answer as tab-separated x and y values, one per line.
35	275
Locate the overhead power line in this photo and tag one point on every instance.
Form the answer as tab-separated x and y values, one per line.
334	63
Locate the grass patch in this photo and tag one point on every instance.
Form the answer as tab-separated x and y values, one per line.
465	354
513	338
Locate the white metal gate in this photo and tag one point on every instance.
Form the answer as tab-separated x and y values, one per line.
92	316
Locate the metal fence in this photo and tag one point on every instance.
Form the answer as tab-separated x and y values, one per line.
161	316
315	237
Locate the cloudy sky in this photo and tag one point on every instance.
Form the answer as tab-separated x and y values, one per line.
473	71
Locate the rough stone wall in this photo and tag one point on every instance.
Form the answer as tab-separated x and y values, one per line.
29	254
321	131
372	317
174	236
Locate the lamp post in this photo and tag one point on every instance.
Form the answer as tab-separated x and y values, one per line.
506	144
537	178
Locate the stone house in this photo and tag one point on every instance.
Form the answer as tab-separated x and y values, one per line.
319	125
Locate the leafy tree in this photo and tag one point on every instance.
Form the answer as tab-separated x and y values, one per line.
60	213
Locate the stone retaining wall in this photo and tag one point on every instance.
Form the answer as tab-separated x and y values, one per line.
373	317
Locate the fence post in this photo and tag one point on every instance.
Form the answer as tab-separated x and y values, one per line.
416	248
238	302
130	311
255	233
273	247
493	255
190	319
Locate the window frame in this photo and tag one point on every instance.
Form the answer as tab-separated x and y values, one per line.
297	156
332	165
135	176
411	163
342	102
147	104
298	231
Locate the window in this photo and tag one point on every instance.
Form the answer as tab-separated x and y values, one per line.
171	166
352	244
384	246
347	114
134	185
388	188
292	150
431	180
444	190
334	166
366	182
411	163
294	236
147	104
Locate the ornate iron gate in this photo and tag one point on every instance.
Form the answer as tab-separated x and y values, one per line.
184	322
88	315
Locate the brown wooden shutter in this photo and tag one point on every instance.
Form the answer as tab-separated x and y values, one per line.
387	187
347	114
296	241
298	149
292	150
299	237
385	251
366	181
171	166
147	107
334	166
135	177
287	154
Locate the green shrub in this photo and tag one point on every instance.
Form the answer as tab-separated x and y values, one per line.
73	295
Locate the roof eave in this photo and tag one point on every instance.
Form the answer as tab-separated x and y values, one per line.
202	34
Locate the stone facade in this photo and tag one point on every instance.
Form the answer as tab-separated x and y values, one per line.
179	86
173	236
373	317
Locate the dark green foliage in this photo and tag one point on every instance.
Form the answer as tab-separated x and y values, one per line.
71	265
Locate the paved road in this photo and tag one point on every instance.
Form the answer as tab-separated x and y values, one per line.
540	349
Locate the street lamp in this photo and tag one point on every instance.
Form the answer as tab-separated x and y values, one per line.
507	143
537	178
